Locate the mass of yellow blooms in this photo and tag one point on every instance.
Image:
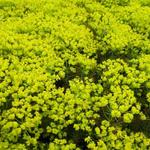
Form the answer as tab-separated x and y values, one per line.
75	75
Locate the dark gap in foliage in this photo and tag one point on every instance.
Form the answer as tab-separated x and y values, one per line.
100	58
9	100
43	146
80	4
106	88
2	79
141	93
26	10
20	139
69	75
31	132
31	147
92	56
4	52
45	122
92	93
105	113
117	122
33	94
146	110
81	50
132	53
98	120
77	137
60	83
33	103
80	71
65	82
91	28
95	74
45	137
139	125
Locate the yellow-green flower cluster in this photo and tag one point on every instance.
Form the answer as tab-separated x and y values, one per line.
74	74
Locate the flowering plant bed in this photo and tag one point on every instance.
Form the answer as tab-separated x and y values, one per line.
74	74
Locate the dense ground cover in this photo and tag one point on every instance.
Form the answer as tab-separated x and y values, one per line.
74	74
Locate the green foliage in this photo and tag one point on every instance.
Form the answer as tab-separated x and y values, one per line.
74	74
